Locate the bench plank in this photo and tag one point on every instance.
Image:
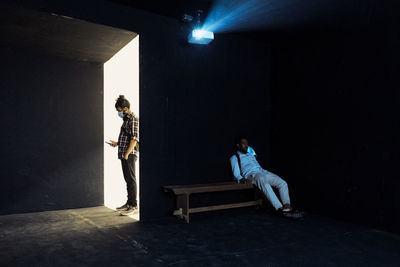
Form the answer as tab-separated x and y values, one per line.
204	188
197	185
225	206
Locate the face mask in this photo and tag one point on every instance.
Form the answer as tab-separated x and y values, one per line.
121	114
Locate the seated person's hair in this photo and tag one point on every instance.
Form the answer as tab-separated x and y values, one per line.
239	138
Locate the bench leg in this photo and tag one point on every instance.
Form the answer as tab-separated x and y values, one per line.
182	202
258	196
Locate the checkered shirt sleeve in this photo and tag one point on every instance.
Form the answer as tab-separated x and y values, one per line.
134	128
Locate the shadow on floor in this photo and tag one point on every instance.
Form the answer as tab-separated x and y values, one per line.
241	237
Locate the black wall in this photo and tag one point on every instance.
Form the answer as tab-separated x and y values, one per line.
52	114
335	121
193	101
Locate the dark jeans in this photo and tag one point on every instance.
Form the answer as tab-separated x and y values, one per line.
128	168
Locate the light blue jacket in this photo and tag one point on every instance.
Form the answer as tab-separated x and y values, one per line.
248	163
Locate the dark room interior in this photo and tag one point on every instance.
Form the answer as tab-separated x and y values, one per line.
312	85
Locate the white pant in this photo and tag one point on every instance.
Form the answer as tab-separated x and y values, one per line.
264	180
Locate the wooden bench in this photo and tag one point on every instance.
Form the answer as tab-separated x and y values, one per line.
183	193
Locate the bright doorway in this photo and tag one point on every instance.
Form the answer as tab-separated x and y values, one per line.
121	77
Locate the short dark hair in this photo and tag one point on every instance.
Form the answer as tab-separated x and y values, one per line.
122	102
239	138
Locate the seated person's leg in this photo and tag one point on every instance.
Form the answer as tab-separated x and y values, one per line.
259	180
282	186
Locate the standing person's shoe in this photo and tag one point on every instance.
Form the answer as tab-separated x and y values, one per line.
123	207
129	211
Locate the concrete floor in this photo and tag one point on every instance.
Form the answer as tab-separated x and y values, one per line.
241	237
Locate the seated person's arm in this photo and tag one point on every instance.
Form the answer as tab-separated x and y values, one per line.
235	168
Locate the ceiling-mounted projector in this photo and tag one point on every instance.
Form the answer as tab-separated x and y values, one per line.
198	36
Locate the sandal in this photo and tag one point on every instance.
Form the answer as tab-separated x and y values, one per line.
294	215
286	208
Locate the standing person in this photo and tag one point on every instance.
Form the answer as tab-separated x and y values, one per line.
128	152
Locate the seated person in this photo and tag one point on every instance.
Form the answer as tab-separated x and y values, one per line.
246	169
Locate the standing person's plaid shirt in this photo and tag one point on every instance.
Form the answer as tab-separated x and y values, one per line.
129	131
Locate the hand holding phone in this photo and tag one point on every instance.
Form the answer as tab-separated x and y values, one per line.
112	143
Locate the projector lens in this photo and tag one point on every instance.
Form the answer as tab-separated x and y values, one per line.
198	36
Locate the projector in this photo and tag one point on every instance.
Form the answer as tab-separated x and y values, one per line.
198	36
